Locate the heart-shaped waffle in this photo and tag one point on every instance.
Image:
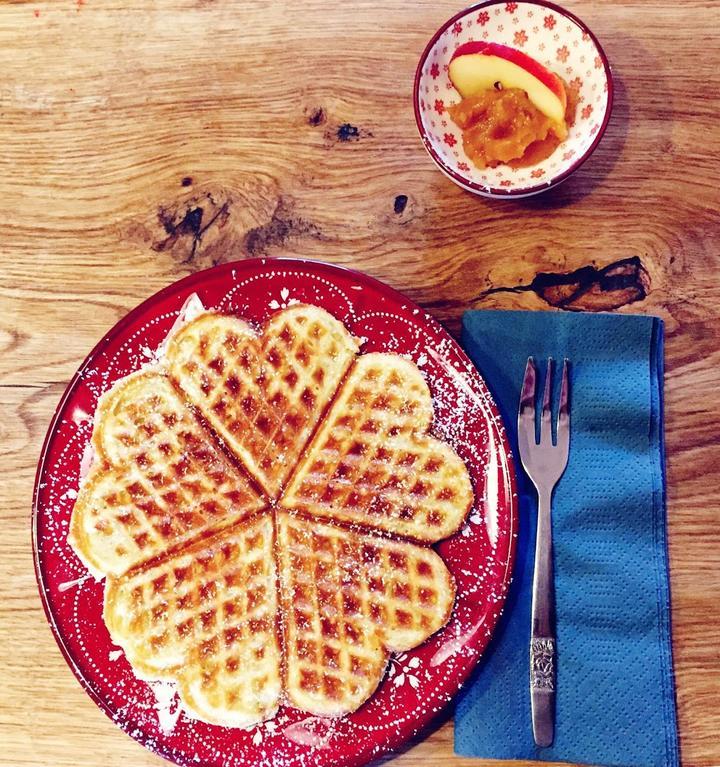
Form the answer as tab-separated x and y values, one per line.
349	600
206	618
190	547
157	479
373	463
263	394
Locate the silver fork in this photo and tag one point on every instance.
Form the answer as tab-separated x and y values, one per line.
544	463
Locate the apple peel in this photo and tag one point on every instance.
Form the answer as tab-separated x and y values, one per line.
478	66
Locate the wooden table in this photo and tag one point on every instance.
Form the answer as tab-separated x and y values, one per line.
142	141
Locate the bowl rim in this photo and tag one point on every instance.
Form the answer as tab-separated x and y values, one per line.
525	191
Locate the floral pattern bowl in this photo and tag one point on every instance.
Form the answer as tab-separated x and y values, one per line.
552	36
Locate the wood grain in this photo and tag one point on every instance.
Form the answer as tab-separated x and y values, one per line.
141	141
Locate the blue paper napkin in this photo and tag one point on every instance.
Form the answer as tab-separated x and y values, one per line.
615	690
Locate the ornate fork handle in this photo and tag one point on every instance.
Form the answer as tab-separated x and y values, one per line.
542	663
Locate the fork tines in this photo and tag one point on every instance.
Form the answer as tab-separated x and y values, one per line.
528	441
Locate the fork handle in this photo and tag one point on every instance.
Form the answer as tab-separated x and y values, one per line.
542	641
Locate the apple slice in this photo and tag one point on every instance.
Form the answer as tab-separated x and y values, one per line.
477	66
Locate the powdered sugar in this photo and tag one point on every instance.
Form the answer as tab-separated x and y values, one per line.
313	731
166	704
86	462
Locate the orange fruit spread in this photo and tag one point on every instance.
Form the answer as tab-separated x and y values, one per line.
504	126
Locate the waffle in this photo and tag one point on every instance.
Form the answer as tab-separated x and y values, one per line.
348	600
156	481
262	394
373	463
206	617
190	547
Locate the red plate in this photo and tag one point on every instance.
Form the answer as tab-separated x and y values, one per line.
419	683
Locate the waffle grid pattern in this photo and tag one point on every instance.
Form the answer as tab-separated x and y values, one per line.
371	462
263	395
206	617
157	481
348	599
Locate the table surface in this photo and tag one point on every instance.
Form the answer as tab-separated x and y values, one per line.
142	141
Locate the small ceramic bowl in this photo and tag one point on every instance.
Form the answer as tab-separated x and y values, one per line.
550	35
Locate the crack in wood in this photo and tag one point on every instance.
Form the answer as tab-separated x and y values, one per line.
189	224
588	288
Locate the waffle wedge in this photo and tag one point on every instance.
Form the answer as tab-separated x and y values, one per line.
263	394
373	463
157	480
206	618
348	600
